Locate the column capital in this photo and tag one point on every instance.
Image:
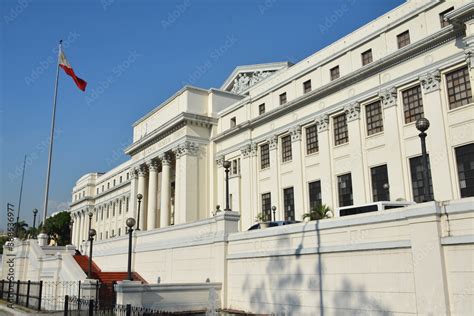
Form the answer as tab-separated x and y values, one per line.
142	171
322	122
245	150
272	142
352	111
133	173
186	148
220	160
152	165
388	97
253	149
295	132
431	81
165	159
469	54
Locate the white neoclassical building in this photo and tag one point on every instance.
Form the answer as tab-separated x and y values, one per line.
336	128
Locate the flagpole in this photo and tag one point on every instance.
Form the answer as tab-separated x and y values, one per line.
43	238
19	199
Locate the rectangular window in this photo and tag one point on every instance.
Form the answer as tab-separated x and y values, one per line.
261	109
465	164
459	88
119	231
314	194
312	145
126	206
267	206
120	207
341	135
264	156
283	98
233	122
97	190
373	115
334	73
106	235
102	188
289	202
235	167
344	187
412	104
380	188
286	148
307	86
128	175
114	182
441	17
366	57
416	171
120	179
108	185
102	215
403	39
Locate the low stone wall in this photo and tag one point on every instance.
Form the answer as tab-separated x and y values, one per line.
170	297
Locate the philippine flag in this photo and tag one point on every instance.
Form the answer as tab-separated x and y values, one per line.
64	64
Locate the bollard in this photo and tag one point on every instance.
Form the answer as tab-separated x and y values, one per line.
66	305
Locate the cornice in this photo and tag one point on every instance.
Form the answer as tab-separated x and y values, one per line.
461	14
406	53
168	128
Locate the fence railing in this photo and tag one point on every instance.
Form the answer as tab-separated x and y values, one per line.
75	306
24	293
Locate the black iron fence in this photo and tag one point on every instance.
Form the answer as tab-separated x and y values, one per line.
74	306
24	293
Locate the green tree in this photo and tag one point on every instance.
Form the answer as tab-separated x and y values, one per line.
3	240
321	211
57	226
21	229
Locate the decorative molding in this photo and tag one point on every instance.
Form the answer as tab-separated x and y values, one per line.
295	132
133	173
431	81
142	171
186	148
389	97
272	142
322	122
220	160
246	150
469	52
352	111
253	149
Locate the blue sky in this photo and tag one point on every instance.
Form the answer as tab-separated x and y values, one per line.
134	55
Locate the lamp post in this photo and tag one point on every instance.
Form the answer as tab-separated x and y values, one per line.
90	219
139	197
92	233
422	125
274	212
35	211
226	166
130	223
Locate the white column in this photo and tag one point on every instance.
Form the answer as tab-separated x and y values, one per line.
220	182
165	191
81	232
152	194
275	177
436	141
142	190
297	161
327	181
132	199
393	152
247	215
355	143
75	229
187	182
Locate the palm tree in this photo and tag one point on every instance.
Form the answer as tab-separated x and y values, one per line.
320	211
21	231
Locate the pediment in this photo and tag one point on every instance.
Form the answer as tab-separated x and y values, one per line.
244	77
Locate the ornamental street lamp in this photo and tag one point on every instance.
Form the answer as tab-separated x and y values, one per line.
130	223
226	166
92	233
35	211
274	212
422	125
90	219
139	197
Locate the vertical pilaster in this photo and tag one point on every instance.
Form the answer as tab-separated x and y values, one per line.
77	224
393	153
220	181
132	200
152	194
165	190
188	182
324	142
436	142
246	186
254	178
295	133
355	142
142	172
275	176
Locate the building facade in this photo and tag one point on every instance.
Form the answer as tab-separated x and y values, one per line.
336	128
